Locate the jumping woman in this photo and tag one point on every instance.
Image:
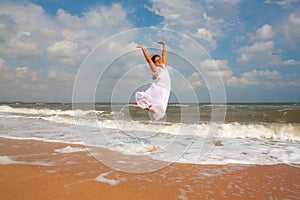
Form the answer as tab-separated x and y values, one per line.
155	98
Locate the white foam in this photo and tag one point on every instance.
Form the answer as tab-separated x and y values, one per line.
57	140
69	149
226	130
40	163
138	149
7	160
101	178
182	194
48	112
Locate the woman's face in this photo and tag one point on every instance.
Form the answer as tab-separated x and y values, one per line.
157	61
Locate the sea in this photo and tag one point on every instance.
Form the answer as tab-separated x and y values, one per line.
218	134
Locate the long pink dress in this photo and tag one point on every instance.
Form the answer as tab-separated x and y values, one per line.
157	95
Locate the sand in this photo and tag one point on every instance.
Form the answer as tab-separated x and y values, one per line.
42	170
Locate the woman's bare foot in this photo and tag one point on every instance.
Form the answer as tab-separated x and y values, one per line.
147	109
137	106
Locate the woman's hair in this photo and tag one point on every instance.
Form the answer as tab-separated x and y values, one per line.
153	57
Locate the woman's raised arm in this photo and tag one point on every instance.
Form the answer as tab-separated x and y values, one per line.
148	59
164	52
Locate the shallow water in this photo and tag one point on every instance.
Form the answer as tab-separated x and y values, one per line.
190	133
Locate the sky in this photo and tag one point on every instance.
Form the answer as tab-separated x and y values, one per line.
218	50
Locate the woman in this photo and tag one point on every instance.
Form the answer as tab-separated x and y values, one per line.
155	98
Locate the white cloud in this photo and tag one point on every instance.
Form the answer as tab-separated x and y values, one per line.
19	83
66	52
30	36
263	77
204	34
291	28
283	3
172	10
244	58
248	78
294	19
206	21
212	74
260	50
259	54
265	32
212	70
258	47
21	72
35	15
21	39
60	75
195	80
216	68
20	45
40	48
290	62
271	75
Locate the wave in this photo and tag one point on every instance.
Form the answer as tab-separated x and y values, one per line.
49	112
106	120
276	131
179	105
205	142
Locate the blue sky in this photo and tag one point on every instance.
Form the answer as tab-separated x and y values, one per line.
254	44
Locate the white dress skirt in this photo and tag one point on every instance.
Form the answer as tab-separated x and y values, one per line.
156	97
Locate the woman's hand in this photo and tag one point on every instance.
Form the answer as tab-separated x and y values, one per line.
161	42
140	47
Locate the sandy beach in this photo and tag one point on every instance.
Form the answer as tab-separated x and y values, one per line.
41	170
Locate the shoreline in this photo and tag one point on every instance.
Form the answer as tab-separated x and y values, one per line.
78	175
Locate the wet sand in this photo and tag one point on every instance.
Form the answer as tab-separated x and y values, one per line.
38	170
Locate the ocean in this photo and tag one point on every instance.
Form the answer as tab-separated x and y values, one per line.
239	133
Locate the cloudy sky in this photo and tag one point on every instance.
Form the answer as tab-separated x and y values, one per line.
249	49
